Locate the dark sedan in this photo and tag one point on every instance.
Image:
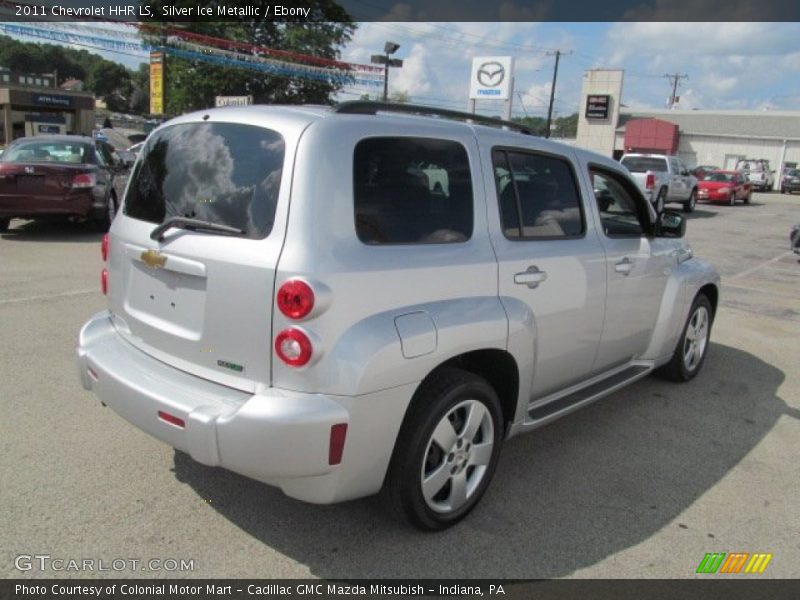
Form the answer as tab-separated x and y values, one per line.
790	181
62	175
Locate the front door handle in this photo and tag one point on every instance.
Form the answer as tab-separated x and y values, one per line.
624	266
532	277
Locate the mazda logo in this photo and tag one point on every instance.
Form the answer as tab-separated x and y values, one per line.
491	74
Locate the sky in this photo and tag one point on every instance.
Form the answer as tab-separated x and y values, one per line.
743	65
730	65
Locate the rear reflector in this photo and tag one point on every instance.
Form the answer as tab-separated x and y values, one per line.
293	347
171	419
104	248
336	448
84	180
104	281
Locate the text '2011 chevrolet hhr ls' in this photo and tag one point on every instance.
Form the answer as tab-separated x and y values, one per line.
340	301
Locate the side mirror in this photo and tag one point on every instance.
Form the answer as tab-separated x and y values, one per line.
670	224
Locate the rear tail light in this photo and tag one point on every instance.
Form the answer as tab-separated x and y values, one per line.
650	181
84	180
295	299
104	281
293	347
104	248
336	447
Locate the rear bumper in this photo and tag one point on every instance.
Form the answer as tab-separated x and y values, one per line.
80	203
277	436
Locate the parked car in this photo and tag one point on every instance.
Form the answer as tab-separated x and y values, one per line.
703	170
725	186
59	175
379	335
758	173
791	181
663	179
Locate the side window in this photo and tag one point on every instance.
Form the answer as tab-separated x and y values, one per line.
620	212
412	191
537	196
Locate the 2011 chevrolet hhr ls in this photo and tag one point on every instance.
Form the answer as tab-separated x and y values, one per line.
338	301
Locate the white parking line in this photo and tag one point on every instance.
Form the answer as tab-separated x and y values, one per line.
761	266
48	296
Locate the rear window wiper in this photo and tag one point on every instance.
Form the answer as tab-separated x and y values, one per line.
195	224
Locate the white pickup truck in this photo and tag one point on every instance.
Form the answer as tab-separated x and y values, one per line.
663	179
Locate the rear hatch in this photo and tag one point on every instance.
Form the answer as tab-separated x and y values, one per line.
200	297
640	166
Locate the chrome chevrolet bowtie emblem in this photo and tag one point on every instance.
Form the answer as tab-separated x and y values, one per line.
153	259
491	74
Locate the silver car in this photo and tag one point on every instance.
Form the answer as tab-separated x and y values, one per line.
288	298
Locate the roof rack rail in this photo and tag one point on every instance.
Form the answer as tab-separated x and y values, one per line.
365	107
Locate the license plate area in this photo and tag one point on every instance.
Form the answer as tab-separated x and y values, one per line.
30	184
168	300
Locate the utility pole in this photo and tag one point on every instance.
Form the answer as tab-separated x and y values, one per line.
387	61
557	54
675	79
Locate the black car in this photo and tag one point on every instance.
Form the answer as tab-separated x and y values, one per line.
794	239
790	181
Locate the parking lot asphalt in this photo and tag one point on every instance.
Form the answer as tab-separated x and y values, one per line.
640	484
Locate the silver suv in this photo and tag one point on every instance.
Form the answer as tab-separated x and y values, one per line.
290	298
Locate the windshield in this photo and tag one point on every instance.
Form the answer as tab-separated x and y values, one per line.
793	173
722	177
59	152
640	164
222	173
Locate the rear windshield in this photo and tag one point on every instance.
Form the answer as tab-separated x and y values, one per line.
224	173
640	164
60	152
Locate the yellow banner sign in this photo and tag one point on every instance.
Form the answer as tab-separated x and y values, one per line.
156	83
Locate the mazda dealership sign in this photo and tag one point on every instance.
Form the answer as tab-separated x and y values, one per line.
491	77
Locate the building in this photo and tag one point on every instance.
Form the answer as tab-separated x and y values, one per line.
31	104
700	137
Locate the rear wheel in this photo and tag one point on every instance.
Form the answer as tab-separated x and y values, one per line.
661	200
689	205
447	450
4	224
691	349
111	212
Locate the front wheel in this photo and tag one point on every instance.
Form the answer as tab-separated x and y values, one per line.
689	205
4	223
691	349
447	450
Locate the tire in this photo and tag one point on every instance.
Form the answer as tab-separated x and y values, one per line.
692	347
689	205
732	199
661	200
783	190
447	450
111	212
4	223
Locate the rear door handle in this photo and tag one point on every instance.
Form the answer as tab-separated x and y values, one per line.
532	277
624	266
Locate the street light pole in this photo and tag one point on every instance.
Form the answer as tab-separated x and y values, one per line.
385	59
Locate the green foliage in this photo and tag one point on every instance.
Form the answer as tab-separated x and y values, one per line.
192	85
565	127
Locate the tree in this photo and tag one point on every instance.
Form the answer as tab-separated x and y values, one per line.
191	84
111	82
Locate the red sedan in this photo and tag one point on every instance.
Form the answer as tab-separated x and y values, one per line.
724	186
